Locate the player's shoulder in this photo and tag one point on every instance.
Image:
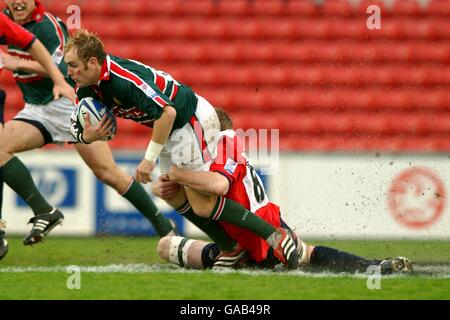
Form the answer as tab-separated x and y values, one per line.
117	70
115	59
120	81
129	73
45	22
120	69
119	76
47	27
128	64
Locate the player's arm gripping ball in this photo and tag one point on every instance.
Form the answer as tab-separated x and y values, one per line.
101	131
93	121
76	129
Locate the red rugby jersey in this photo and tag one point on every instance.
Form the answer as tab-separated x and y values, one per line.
13	34
245	188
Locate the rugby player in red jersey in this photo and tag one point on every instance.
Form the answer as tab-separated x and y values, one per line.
232	175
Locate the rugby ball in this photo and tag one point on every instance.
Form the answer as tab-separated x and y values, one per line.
96	111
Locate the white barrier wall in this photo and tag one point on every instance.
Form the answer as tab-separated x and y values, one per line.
321	195
89	206
364	196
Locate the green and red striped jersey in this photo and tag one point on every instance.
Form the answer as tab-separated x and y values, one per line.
139	92
53	34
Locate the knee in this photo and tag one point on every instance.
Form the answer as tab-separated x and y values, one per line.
163	247
204	208
201	211
170	247
102	174
305	252
5	157
6	151
107	176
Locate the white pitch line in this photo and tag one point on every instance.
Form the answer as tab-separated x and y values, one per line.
435	271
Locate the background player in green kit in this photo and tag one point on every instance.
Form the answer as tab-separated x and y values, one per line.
11	33
44	120
185	127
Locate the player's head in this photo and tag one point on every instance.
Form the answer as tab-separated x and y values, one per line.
84	54
21	10
225	121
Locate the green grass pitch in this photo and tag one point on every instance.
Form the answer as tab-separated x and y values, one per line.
129	268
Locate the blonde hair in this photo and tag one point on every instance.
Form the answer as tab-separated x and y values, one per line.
224	119
88	45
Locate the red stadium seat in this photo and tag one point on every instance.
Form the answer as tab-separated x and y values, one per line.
371	123
151	7
130	127
100	7
240	8
439	8
275	28
59	7
88	8
311	69
288	75
395	8
329	99
336	52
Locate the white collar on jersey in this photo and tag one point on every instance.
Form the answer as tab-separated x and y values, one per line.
104	73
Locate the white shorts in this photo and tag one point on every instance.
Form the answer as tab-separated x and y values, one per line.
52	119
194	146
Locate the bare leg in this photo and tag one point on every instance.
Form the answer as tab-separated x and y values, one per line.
203	204
170	247
99	158
18	136
163	187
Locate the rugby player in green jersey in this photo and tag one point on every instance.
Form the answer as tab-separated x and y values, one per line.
45	120
185	127
11	33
